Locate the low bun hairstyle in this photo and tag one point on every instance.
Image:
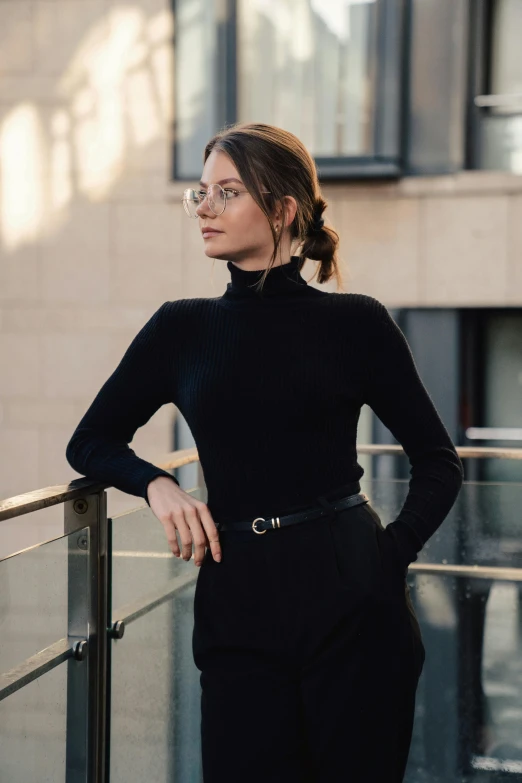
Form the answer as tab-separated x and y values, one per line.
270	158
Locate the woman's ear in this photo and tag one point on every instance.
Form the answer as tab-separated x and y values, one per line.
290	205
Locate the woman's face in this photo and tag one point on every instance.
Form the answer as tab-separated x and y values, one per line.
244	231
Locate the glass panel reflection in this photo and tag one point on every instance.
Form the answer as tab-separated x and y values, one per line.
484	527
155	689
34	599
33	731
155	698
469	700
141	559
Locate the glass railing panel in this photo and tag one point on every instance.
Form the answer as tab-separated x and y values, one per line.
469	702
155	698
35	527
142	560
34	596
33	731
484	527
155	689
43	599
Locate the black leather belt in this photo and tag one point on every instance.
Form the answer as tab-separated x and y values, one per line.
326	508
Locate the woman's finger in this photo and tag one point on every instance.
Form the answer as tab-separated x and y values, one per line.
211	531
183	529
172	539
198	535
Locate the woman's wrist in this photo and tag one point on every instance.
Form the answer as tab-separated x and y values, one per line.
155	479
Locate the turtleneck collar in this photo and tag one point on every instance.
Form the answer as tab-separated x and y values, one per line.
281	278
283	284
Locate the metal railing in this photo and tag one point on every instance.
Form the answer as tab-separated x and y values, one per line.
92	622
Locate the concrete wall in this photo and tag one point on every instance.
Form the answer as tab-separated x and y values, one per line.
93	237
447	241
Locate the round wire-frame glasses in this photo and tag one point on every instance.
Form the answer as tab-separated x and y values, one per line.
216	196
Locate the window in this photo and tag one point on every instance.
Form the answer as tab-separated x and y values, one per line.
330	72
194	82
496	83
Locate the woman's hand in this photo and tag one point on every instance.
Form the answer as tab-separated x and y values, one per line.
177	510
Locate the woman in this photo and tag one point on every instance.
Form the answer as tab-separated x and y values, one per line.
304	631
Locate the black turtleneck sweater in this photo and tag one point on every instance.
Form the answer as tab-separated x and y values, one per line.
271	385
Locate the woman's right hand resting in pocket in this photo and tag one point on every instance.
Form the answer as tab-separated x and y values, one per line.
177	510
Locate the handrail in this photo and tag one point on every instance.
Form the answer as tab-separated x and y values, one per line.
61	493
500	573
33	668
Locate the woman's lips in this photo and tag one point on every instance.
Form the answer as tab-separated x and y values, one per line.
207	233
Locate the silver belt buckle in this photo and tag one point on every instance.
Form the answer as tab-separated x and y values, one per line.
275	523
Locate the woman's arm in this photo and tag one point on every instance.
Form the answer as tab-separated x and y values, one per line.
396	393
136	389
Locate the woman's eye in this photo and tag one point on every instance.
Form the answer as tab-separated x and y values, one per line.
202	194
231	193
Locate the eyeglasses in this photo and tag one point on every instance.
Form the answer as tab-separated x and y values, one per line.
216	196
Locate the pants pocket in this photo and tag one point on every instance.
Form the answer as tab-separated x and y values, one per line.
355	551
394	572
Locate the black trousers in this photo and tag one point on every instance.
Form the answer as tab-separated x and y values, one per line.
310	655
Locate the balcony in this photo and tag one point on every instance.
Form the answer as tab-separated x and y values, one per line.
97	680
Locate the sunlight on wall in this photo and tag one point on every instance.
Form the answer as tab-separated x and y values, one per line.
21	188
61	161
143	114
115	96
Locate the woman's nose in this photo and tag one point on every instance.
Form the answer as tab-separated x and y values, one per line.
203	209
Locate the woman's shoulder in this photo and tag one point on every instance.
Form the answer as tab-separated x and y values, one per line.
359	303
174	308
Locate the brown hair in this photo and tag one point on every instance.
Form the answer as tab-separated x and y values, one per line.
270	158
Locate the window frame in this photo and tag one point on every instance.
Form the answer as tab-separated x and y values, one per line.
390	95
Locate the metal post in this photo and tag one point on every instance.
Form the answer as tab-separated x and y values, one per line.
87	611
76	749
113	633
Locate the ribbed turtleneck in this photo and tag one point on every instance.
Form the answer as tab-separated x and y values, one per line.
283	285
271	386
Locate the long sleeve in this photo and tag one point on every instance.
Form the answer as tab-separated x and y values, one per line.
397	395
136	389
